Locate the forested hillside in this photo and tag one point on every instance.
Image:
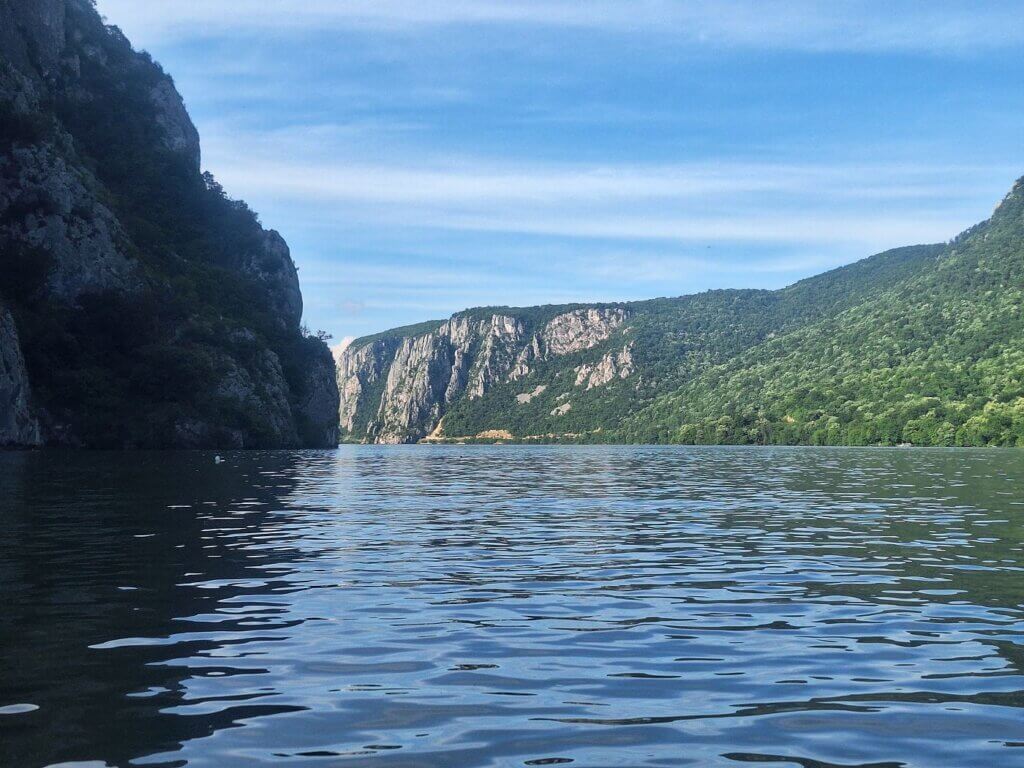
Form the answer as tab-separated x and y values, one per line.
921	345
937	358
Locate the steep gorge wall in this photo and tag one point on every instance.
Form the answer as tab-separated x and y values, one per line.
18	425
611	373
146	307
397	390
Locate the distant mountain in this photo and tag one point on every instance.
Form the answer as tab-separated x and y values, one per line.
139	305
921	345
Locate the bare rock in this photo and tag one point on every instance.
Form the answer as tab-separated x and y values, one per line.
614	365
358	371
260	389
561	410
467	356
271	265
32	33
528	397
581	329
180	134
316	412
50	207
18	425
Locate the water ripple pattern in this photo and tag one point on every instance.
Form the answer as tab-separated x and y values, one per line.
442	607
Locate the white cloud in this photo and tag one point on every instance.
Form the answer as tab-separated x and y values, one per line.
878	230
872	205
399	184
848	25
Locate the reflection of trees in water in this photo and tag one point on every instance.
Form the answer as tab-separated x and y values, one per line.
926	519
922	533
100	547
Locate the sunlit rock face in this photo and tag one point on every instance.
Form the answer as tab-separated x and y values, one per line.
614	365
397	390
579	330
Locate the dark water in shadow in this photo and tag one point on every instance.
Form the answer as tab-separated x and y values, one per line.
458	607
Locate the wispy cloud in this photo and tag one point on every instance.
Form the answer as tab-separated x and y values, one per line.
850	25
874	205
422	156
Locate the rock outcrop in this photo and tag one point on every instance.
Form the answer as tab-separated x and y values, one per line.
144	306
464	356
562	409
861	355
359	370
32	33
614	365
179	133
397	390
18	425
581	329
51	208
317	409
529	397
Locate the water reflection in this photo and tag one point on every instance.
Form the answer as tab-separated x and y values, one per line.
475	607
105	551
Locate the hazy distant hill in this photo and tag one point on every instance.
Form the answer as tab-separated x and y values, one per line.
922	344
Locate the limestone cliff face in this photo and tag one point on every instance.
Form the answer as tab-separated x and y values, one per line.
49	206
614	365
18	425
143	305
179	133
464	355
581	329
33	32
397	390
359	371
270	263
316	411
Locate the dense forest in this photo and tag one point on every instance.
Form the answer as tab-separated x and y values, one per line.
921	345
936	358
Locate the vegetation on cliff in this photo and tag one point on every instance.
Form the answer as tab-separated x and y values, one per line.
921	345
152	309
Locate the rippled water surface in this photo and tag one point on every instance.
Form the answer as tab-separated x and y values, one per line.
456	607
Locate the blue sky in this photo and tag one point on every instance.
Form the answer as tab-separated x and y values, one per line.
424	156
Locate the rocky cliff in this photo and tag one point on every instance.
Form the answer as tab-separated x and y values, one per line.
921	345
398	389
591	373
18	425
144	307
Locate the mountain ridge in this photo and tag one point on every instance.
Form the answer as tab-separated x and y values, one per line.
732	366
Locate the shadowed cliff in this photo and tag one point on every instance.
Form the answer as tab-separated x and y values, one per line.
139	304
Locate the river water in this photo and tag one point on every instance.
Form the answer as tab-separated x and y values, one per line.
454	607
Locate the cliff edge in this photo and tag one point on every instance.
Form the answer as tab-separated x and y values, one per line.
140	306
